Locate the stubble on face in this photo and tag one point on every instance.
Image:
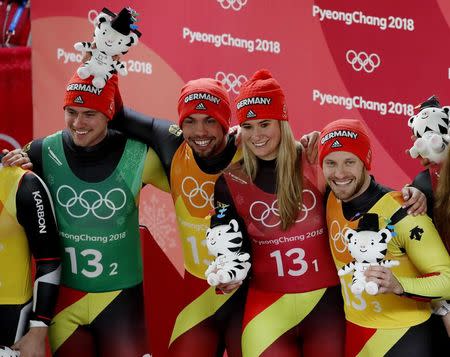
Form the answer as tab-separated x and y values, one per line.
348	193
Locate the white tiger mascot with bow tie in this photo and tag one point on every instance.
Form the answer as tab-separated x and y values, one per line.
114	35
368	246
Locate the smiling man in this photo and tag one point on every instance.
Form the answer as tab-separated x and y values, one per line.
95	175
352	178
193	155
396	321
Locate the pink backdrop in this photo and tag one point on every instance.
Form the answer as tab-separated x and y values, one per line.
15	97
372	60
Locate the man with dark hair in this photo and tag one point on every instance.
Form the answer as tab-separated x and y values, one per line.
193	155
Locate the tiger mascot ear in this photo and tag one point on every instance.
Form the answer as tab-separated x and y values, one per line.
234	225
102	17
386	235
348	234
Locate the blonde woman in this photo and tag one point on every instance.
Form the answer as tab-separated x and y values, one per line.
293	295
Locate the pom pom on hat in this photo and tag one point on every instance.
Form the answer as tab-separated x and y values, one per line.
261	97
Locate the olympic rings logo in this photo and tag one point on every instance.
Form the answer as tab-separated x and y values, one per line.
79	206
230	81
363	61
260	211
199	196
236	5
338	237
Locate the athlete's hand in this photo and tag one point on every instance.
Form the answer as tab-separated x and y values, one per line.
415	200
446	320
229	287
33	343
387	282
310	143
236	131
17	157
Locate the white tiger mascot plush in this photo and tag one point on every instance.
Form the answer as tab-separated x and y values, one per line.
113	35
8	352
367	245
224	241
431	127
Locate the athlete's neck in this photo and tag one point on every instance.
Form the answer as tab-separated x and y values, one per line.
85	149
364	202
218	162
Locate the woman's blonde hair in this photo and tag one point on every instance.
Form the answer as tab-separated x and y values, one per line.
442	203
288	174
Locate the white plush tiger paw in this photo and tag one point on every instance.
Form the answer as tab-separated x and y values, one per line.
210	269
244	257
224	276
83	72
98	82
357	288
213	279
437	143
122	71
371	288
79	46
414	153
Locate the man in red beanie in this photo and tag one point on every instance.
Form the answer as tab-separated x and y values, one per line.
100	308
193	155
355	141
200	100
394	321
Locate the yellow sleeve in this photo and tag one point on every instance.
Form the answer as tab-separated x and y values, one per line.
425	249
154	173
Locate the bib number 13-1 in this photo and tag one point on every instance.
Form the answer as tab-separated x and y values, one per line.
296	256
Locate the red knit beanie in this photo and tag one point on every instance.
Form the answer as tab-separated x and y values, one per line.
348	135
205	96
81	93
261	97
